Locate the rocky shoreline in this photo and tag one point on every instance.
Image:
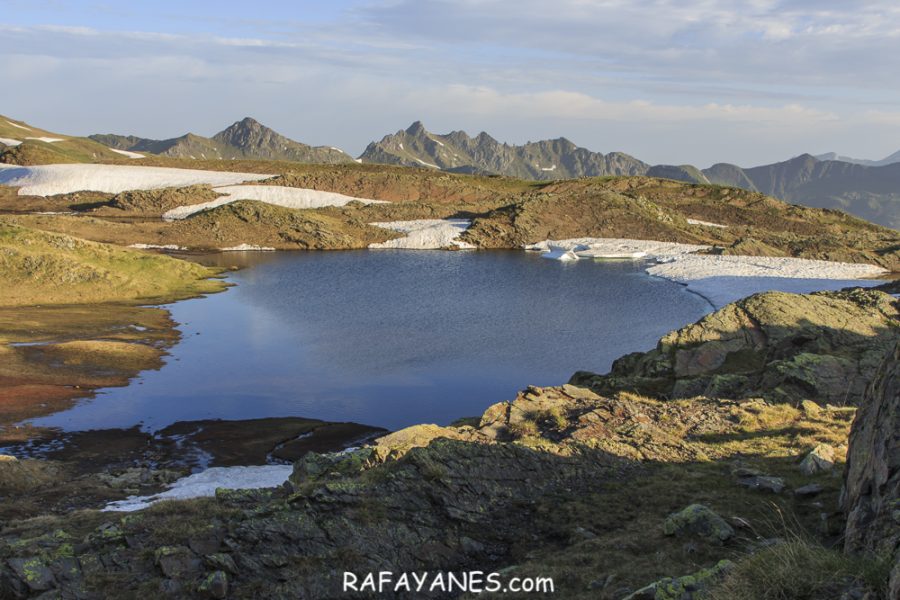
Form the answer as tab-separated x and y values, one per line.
672	477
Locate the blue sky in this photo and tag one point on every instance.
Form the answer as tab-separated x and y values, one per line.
690	81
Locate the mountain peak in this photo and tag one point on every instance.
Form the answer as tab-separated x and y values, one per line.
247	123
416	128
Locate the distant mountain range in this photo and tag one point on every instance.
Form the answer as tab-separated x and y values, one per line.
893	158
868	189
244	139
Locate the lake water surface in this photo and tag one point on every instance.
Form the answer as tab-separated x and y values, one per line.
390	338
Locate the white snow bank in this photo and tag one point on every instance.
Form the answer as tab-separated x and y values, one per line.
49	140
615	248
127	153
287	197
706	223
206	482
157	247
724	279
719	279
698	266
553	168
425	234
48	180
247	248
9	142
19	126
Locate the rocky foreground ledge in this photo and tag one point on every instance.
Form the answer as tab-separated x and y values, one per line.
710	467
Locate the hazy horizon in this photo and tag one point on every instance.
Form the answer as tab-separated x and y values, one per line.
698	82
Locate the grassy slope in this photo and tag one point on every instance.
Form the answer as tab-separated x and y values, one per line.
43	268
648	208
35	152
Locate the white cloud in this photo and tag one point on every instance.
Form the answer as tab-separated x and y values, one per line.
693	81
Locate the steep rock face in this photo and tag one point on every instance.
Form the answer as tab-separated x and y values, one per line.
871	496
456	151
822	347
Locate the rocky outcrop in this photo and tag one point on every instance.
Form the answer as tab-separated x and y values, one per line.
156	202
821	347
871	496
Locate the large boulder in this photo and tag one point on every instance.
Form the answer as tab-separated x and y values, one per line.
871	495
822	347
699	520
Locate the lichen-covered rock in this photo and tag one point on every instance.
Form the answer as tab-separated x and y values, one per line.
688	587
699	520
871	495
819	460
214	585
822	347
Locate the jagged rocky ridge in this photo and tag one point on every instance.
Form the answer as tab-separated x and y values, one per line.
458	152
540	484
244	139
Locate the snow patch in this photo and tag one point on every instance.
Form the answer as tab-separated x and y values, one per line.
422	162
19	126
425	234
127	153
287	197
553	168
157	247
205	483
48	180
247	248
401	145
706	223
359	160
49	140
616	248
9	142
